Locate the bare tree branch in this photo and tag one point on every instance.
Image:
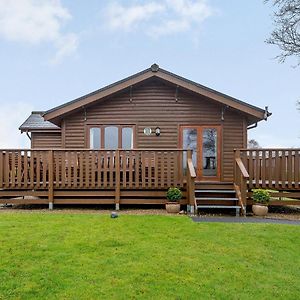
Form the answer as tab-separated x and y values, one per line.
286	34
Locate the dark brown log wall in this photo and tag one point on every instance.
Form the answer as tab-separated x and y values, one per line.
154	104
46	140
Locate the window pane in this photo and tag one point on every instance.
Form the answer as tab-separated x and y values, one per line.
209	152
127	138
111	137
95	138
190	142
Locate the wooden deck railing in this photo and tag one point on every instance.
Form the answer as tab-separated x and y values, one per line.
91	169
274	169
74	169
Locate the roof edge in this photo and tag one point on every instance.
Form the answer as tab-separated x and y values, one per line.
154	71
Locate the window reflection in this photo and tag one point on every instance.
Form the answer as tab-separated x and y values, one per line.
111	137
95	138
209	150
127	138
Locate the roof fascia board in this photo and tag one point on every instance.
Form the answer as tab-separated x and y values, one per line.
211	94
90	99
49	130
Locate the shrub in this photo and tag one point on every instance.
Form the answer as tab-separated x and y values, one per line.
174	194
261	196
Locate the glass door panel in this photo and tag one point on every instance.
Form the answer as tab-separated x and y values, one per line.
209	152
190	141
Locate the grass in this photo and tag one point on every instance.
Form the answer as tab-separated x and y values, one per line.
82	256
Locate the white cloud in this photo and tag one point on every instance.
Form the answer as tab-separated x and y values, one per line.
158	18
121	17
12	116
35	22
67	44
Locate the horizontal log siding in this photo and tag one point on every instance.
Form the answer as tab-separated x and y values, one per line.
45	140
233	138
154	104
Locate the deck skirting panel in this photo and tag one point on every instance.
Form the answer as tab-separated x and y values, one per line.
86	197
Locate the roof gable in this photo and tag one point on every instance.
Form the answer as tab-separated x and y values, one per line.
67	108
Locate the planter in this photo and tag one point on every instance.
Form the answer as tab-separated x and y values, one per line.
260	210
172	207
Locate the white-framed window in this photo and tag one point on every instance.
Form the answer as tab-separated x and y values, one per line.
111	137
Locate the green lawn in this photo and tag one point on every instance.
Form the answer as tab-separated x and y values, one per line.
90	256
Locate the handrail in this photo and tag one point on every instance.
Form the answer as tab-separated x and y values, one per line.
239	195
268	149
242	167
87	149
191	168
241	176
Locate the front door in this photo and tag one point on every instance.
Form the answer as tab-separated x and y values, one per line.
205	141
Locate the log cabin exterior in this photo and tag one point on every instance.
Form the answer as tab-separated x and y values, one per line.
128	142
150	99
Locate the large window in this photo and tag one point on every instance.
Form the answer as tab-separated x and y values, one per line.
111	137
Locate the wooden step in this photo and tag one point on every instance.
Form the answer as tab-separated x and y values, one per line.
218	206
216	199
214	186
237	208
216	191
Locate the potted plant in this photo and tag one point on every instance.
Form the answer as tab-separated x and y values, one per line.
173	195
261	200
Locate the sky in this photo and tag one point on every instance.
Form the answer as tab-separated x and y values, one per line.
54	51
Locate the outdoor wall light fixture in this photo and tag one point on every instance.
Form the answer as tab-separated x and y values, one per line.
157	131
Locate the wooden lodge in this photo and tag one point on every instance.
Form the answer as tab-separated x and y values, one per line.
128	142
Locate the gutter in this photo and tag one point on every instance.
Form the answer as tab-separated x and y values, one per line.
252	126
28	135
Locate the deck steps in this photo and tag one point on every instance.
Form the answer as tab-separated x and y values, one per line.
216	195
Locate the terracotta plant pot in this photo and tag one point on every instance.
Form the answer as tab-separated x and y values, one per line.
172	207
260	210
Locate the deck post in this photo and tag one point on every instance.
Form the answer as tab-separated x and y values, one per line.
50	183
190	186
117	182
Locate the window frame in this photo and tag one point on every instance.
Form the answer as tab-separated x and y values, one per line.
102	134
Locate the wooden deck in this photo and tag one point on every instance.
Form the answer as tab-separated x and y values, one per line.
68	176
139	176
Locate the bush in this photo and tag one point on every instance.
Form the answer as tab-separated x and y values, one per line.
174	194
261	196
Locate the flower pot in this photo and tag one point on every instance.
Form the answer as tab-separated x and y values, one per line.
260	210
172	207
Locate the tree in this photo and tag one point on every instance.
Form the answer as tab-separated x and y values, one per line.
253	144
286	34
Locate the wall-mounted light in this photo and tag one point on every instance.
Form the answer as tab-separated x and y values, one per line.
157	131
